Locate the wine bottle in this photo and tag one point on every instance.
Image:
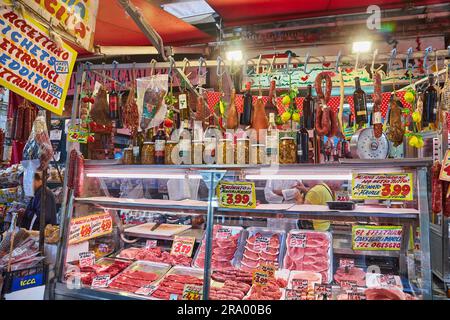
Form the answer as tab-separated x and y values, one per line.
246	116
160	144
185	144
430	98
113	102
302	144
308	110
184	107
272	141
360	102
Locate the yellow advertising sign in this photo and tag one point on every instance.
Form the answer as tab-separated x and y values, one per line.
75	19
383	186
92	226
236	194
31	64
377	238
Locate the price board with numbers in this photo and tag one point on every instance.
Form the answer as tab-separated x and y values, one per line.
260	278
87	259
192	292
297	240
383	186
236	194
182	245
100	281
146	290
376	238
89	227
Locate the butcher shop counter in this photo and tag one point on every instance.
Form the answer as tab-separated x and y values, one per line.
410	261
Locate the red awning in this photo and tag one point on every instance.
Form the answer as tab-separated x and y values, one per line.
245	12
115	28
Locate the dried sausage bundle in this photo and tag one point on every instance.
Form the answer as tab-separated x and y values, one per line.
100	109
377	124
436	188
131	113
75	176
396	126
326	119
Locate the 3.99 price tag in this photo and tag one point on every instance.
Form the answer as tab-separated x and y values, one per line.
182	246
382	186
236	194
260	278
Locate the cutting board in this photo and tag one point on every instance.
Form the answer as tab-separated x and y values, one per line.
164	229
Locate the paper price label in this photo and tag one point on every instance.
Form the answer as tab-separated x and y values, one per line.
146	290
260	278
391	186
261	243
322	292
388	280
342	196
300	284
100	281
224	233
182	246
296	294
346	263
348	285
377	238
87	259
269	269
192	292
151	244
297	240
356	296
236	194
182	101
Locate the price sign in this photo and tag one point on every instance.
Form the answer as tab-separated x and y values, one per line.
151	244
100	281
192	292
297	240
342	196
236	194
385	186
89	227
348	285
356	296
182	246
388	280
445	168
260	278
87	259
146	290
292	294
322	291
346	263
377	238
299	284
269	269
224	233
261	243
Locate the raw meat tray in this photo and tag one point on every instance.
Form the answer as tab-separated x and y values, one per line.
235	230
329	253
247	252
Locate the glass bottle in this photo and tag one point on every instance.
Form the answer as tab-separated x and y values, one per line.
430	98
185	144
302	145
360	102
272	141
184	107
308	109
246	116
160	144
113	102
211	139
272	101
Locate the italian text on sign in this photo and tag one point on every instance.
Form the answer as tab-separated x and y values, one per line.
31	64
236	194
377	238
388	186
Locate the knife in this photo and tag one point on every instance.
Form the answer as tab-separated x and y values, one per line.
156	226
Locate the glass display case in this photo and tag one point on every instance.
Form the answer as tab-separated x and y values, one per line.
164	232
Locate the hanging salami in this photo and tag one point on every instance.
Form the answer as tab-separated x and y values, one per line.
131	113
436	188
377	99
326	119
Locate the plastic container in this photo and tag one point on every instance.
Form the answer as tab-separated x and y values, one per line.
320	257
24	278
260	247
224	238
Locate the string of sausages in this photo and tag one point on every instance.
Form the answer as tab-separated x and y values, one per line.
130	113
326	119
377	99
23	121
76	172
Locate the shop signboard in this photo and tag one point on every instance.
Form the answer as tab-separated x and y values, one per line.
182	245
92	226
382	186
31	64
236	194
377	238
74	20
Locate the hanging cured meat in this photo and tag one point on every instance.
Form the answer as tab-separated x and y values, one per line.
260	121
436	188
396	126
76	172
131	113
100	110
326	119
377	124
232	114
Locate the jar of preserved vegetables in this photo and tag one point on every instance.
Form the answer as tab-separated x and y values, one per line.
288	150
242	151
170	145
197	152
258	153
148	153
127	156
225	151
